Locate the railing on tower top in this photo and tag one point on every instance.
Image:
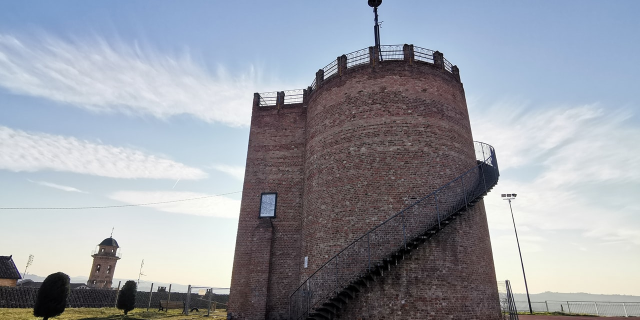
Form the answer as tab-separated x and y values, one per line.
370	250
355	59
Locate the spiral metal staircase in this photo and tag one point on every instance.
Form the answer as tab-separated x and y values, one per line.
334	284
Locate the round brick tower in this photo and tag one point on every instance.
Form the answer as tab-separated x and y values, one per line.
378	138
326	166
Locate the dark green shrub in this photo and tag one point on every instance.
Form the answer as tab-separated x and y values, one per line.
127	296
52	296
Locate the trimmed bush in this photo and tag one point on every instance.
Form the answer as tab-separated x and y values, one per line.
52	296
127	296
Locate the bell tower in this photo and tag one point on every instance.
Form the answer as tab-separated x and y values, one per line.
105	257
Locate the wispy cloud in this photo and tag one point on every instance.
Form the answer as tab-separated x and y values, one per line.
234	171
221	206
57	186
111	76
34	151
569	165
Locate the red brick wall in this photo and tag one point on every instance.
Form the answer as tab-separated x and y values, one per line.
368	141
451	276
103	279
274	164
376	137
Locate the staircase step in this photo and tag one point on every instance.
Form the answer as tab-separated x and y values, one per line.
318	315
328	308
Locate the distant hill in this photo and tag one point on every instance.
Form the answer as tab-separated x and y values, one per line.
579	296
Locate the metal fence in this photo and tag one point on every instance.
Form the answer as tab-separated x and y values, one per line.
374	248
507	303
25	297
596	308
354	59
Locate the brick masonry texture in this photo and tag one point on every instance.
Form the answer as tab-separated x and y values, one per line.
266	264
369	142
106	259
451	276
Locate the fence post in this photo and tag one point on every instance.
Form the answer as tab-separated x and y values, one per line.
305	96
438	59
374	56
256	99
168	298
117	293
569	307
456	72
150	295
407	50
546	304
209	306
279	99
188	299
625	310
319	78
342	64
596	305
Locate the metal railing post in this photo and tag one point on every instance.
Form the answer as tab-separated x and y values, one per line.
625	310
464	191
369	249
546	304
404	231
337	285
596	305
569	307
437	210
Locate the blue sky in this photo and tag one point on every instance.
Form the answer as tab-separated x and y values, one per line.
111	103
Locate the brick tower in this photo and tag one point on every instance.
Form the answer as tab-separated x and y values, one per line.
363	195
105	258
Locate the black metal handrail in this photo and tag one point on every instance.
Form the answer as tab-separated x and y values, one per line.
355	59
370	250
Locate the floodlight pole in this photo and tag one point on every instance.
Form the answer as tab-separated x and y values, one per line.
520	252
376	30
376	27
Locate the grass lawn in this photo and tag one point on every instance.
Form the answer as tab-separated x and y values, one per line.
110	314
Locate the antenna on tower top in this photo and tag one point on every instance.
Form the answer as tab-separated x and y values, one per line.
376	28
111	236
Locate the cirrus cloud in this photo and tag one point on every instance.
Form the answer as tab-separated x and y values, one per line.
104	76
22	151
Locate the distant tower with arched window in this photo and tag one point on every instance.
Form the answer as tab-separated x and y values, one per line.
105	257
